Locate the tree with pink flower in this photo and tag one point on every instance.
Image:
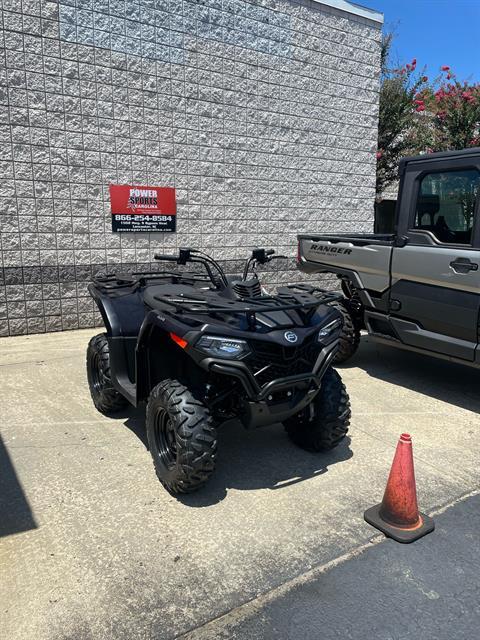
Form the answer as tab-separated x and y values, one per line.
418	115
401	103
454	109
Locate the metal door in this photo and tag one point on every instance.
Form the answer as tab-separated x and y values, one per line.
435	287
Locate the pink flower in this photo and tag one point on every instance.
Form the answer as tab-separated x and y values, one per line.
467	96
424	78
421	107
379	154
419	102
445	68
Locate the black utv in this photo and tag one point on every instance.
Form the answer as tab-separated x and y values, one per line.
202	348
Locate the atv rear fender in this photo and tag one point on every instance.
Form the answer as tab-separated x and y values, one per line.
122	315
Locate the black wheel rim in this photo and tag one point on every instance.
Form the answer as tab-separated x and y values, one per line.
165	438
98	377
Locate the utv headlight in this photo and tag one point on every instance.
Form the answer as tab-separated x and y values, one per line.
228	348
329	328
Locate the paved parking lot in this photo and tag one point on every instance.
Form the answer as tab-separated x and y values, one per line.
92	547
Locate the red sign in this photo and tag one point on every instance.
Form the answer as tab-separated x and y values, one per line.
138	208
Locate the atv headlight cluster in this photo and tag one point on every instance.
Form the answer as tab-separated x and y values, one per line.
329	328
228	348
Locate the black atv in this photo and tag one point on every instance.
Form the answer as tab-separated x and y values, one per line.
202	348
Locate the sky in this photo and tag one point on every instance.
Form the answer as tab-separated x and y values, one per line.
435	32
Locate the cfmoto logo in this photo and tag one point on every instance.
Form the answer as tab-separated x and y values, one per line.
290	336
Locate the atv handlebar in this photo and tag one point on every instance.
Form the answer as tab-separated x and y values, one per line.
259	256
165	256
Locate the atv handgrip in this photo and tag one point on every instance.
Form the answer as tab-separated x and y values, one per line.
165	256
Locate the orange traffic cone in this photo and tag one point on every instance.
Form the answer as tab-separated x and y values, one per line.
397	515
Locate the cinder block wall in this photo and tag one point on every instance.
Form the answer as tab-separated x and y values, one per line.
262	114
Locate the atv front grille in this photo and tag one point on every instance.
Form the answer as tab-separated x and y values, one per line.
268	361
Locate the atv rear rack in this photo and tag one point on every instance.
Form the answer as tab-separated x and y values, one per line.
115	281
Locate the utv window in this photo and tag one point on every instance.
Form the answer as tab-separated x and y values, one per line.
447	203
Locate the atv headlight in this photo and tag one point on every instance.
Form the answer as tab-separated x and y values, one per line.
329	328
228	348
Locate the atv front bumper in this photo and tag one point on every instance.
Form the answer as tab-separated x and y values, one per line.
281	398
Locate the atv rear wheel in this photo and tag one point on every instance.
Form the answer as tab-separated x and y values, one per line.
105	398
181	437
350	334
323	424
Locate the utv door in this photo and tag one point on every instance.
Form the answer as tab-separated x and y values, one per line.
435	292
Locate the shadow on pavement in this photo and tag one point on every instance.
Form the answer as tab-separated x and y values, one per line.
440	379
261	459
15	513
135	421
258	459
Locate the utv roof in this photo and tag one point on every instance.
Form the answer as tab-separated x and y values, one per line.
462	153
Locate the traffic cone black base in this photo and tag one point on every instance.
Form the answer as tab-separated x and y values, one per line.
400	534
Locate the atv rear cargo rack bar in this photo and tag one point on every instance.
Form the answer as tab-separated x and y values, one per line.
118	280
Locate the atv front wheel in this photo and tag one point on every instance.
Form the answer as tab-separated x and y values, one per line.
350	334
105	398
181	437
323	424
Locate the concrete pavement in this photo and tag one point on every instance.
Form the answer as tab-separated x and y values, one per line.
385	590
91	546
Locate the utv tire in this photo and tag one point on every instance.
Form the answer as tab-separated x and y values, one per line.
331	417
105	398
350	335
181	437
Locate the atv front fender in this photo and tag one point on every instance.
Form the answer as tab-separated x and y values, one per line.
157	356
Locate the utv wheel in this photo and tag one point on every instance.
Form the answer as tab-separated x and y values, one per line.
350	335
331	416
105	398
181	437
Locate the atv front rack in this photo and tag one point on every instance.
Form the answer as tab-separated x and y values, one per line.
305	302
